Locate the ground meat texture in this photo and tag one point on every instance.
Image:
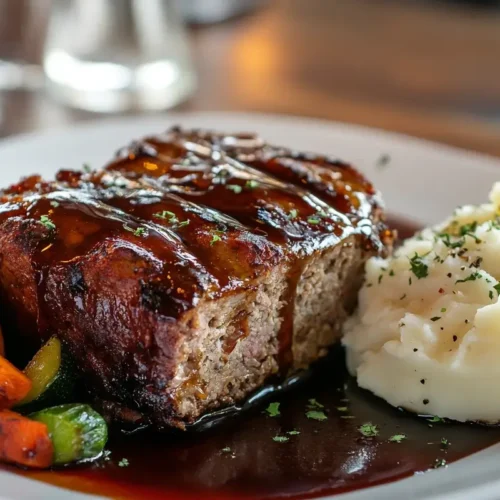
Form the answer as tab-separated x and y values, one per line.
188	271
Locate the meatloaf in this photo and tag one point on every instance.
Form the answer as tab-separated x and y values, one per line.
190	270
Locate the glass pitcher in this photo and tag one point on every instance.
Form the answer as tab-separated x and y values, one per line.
110	56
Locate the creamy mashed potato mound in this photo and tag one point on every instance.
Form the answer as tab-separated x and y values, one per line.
426	336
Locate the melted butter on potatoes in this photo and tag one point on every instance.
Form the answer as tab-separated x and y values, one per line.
426	336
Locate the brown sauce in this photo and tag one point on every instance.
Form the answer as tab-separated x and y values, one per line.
240	459
168	200
117	259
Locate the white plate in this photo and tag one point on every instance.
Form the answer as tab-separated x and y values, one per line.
423	181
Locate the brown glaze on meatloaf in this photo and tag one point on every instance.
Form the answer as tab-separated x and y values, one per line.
191	269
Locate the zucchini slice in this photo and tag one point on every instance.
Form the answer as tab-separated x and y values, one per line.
53	377
77	431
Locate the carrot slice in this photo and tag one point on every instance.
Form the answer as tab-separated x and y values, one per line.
14	384
24	441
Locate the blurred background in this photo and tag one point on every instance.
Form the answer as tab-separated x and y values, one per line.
422	67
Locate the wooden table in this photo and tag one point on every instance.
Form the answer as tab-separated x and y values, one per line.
428	69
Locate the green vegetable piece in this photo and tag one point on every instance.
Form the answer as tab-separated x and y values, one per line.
53	377
77	431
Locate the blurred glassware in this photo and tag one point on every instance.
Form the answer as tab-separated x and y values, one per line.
214	11
22	28
111	56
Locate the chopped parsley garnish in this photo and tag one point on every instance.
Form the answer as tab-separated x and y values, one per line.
435	419
123	463
494	224
391	272
418	267
293	433
215	238
281	439
447	241
368	429
497	288
226	450
252	184
473	277
315	404
440	462
45	220
54	204
402	297
380	279
435	318
86	168
444	443
273	410
235	188
313	220
490	295
468	230
166	215
443	309
293	213
316	415
397	438
183	223
342	408
140	231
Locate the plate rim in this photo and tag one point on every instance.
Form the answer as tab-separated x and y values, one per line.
81	126
481	486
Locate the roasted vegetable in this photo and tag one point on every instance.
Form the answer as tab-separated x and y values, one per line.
77	431
14	385
52	374
24	442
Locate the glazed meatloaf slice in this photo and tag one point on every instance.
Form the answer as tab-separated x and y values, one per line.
190	270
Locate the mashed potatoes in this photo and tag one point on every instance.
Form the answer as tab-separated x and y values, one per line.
426	336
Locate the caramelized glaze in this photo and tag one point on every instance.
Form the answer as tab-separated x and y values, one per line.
241	460
208	213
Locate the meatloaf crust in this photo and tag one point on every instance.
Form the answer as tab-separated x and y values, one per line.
189	270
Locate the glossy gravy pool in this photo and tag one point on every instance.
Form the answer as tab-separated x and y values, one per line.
290	455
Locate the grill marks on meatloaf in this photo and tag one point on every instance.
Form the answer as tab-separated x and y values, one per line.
188	201
83	224
176	221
